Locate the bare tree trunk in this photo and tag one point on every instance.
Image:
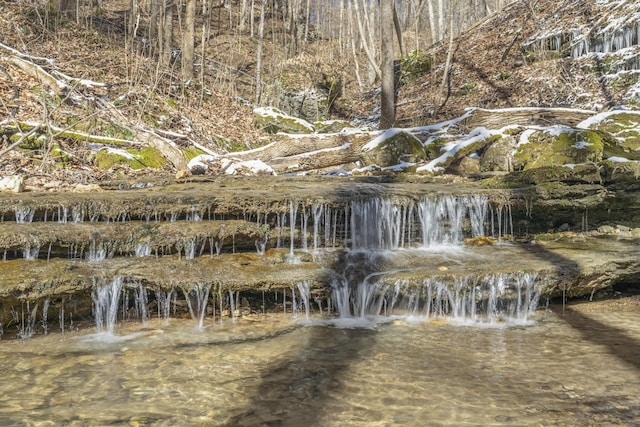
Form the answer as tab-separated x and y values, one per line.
259	58
387	98
154	23
188	39
243	15
363	39
447	65
435	36
167	33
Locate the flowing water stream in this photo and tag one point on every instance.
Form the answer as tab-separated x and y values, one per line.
367	312
576	368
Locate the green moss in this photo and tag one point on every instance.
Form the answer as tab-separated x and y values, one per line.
624	129
414	65
60	156
545	149
191	152
147	157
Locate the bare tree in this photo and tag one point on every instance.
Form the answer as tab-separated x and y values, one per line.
188	39
387	99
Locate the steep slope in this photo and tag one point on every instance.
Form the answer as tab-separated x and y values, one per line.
543	53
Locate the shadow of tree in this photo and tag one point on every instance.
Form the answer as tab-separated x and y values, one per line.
617	342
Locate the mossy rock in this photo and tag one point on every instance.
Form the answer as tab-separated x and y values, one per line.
621	172
398	147
331	126
466	160
498	156
32	142
624	127
60	156
272	120
587	173
568	146
147	157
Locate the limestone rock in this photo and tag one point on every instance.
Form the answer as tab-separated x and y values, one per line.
87	188
498	156
13	184
272	120
392	147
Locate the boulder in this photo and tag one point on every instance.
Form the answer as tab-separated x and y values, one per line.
331	126
625	125
13	184
272	120
498	156
392	147
557	146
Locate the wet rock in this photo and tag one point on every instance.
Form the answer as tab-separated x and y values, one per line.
12	184
606	229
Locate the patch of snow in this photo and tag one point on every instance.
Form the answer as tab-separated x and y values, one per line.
593	121
581	144
277	114
254	167
474	156
557	130
616	159
201	161
385	135
120	152
569	165
336	172
451	148
399	167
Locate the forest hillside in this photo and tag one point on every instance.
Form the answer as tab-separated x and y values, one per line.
86	96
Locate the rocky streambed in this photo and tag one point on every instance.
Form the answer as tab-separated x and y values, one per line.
250	242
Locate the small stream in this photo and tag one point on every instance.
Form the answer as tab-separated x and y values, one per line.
573	368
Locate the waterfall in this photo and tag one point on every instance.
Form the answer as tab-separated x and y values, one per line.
105	305
382	224
197	298
491	299
24	214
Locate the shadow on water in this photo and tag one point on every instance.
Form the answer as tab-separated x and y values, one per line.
615	340
295	389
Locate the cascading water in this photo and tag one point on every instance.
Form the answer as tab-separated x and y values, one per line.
379	226
197	298
491	299
105	305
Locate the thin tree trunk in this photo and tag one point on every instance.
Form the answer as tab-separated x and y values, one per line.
387	98
447	65
259	58
188	40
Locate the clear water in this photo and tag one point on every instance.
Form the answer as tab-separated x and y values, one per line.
578	368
